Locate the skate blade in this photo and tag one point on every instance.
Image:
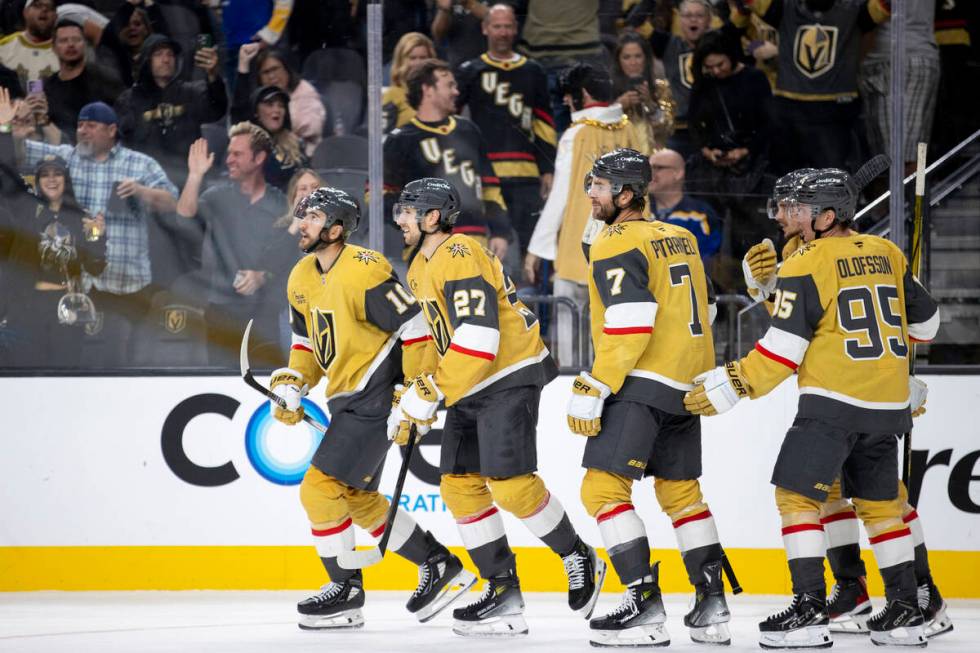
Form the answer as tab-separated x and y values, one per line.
809	637
600	577
460	584
852	623
712	634
645	635
512	625
939	624
909	636
347	620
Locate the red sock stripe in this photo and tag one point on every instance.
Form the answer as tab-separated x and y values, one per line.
884	537
838	516
379	531
301	348
475	518
412	341
909	517
684	520
776	357
797	528
623	507
472	352
544	504
334	530
625	331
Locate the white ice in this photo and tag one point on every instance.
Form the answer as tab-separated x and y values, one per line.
261	622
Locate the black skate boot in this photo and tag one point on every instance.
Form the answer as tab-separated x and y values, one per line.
933	609
585	572
499	612
804	624
338	605
849	606
899	623
709	613
638	621
442	580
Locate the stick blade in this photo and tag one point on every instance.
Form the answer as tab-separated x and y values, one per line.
359	559
874	167
243	353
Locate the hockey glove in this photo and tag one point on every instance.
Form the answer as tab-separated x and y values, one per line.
716	391
288	385
759	270
585	406
918	391
398	427
420	402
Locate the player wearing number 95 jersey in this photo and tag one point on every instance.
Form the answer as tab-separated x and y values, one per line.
845	308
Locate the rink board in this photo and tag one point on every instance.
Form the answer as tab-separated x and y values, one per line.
186	483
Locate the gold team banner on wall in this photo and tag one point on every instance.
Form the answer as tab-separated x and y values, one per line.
188	483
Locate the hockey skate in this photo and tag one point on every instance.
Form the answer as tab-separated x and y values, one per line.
638	621
933	609
442	580
849	607
499	612
337	606
709	615
586	573
804	624
899	623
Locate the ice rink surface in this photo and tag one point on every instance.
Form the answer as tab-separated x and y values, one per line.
265	622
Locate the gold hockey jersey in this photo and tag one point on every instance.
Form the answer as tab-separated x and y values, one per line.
844	311
649	299
347	320
484	338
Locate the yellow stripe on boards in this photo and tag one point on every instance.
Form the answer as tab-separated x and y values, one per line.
760	571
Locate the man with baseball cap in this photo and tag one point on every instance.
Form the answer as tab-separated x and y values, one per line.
29	52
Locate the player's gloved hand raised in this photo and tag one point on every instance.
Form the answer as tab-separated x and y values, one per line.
716	391
287	384
420	402
918	391
585	407
759	269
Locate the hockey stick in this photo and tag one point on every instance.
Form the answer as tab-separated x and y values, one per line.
915	261
874	167
251	382
354	559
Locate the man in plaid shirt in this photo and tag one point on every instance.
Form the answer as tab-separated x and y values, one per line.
96	164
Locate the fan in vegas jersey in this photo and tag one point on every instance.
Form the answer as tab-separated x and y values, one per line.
486	360
845	305
651	332
848	606
351	319
435	143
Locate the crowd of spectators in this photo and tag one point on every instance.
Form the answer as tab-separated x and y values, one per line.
152	151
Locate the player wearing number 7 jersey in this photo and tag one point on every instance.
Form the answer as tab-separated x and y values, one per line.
487	362
651	329
845	307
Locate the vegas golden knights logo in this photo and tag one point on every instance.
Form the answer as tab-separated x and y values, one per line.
323	337
684	62
437	325
175	320
815	49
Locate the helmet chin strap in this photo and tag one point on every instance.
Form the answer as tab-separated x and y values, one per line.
320	242
617	210
817	233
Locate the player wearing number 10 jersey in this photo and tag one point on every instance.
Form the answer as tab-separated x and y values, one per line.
845	308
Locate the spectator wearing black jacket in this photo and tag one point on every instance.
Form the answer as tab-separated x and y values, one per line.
123	38
161	114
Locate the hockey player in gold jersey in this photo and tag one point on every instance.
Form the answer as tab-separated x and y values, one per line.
651	316
848	606
844	308
486	360
350	319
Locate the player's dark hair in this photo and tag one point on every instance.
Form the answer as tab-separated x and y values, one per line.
423	75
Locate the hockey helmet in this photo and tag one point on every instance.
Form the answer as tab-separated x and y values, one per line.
785	189
427	194
829	188
338	205
624	168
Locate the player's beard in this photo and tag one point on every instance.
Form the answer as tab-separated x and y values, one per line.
604	213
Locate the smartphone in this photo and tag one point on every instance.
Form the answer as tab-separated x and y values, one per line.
35	86
116	205
204	41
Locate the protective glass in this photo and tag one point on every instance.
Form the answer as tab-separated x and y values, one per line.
401	207
773	205
600	185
